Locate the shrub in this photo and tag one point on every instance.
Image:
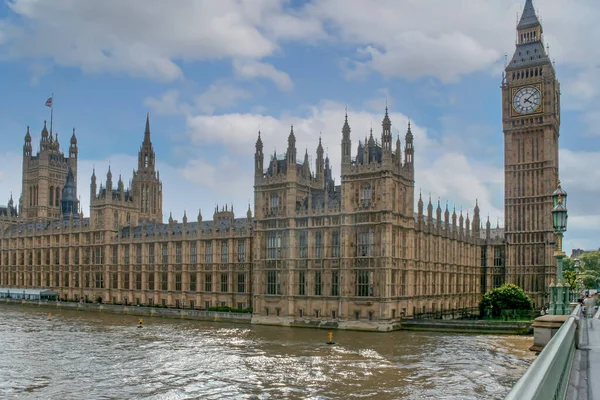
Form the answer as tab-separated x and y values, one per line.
506	297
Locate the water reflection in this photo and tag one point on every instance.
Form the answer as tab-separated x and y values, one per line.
89	355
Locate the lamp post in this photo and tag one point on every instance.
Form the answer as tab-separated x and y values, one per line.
577	263
559	302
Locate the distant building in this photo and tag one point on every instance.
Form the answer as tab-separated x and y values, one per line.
578	252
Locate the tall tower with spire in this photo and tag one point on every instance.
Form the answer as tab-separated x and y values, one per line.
44	176
147	187
530	120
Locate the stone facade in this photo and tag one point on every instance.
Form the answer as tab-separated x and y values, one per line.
44	176
353	255
356	253
530	120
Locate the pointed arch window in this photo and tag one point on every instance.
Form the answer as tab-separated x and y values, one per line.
365	195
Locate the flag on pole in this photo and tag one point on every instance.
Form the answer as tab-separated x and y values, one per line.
49	102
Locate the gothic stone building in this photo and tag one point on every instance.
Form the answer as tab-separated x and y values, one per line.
350	255
531	121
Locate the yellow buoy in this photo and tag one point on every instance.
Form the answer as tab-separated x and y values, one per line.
49	316
330	338
140	323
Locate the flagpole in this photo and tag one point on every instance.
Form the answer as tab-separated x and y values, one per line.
51	111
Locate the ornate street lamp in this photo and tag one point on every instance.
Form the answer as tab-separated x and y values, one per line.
577	263
560	299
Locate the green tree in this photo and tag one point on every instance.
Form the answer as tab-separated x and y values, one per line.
570	277
506	297
590	269
568	264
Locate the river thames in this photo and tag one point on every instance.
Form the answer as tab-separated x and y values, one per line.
77	355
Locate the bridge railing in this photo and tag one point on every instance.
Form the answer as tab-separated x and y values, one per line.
548	376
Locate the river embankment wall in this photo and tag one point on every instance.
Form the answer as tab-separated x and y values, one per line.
454	326
199	315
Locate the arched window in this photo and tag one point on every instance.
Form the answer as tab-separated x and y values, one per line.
57	197
51	197
365	195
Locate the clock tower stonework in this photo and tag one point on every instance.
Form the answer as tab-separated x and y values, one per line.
530	120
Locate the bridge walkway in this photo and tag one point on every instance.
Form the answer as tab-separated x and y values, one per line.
584	382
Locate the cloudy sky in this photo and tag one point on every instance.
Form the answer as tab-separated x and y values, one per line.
212	73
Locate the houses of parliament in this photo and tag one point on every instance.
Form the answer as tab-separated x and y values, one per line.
353	255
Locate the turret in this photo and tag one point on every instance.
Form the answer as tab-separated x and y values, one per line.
476	219
184	219
447	217
44	140
320	165
306	166
109	183
27	149
146	155
467	226
488	227
69	205
346	146
398	151
529	27
409	151
290	155
420	209
199	219
438	217
259	158
386	135
454	227
429	211
73	151
93	185
145	184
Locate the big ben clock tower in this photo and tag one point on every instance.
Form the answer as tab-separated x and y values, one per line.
530	120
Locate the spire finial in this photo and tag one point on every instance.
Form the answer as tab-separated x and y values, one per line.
147	130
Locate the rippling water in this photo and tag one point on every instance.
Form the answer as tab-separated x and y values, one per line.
79	355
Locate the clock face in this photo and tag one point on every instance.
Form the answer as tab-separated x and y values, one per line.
527	100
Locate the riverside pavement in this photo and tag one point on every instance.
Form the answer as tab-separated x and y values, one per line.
584	382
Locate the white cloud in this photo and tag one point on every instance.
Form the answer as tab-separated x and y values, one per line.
409	39
167	104
450	175
253	69
141	37
220	95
